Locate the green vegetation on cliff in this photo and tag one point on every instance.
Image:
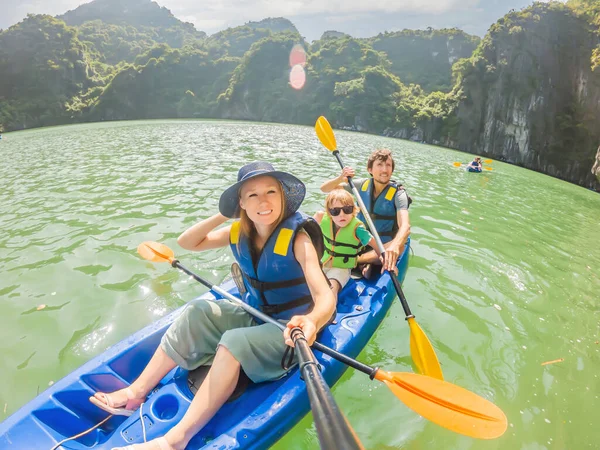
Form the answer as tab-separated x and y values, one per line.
524	93
529	94
425	57
136	60
42	67
590	10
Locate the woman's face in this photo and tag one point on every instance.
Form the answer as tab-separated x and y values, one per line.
261	198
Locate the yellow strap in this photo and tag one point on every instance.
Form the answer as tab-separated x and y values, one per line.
234	233
365	185
390	193
283	241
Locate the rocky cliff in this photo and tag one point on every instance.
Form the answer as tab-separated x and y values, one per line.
596	166
529	95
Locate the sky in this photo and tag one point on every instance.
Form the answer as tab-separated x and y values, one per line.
359	18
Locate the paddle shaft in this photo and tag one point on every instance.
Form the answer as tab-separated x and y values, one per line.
332	428
373	231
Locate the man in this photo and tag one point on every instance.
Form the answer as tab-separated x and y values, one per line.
387	204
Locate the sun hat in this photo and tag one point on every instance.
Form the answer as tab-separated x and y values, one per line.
293	189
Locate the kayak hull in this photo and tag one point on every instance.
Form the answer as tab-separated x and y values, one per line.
255	420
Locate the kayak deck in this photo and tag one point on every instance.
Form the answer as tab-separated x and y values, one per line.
255	420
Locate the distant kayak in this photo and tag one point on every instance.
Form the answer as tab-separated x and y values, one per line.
473	169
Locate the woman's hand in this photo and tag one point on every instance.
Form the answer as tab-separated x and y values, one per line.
308	326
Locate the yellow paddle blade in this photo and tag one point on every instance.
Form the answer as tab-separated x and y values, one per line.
446	404
155	252
487	161
325	134
456	164
487	168
422	352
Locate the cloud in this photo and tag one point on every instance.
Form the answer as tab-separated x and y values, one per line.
12	12
359	18
263	8
239	11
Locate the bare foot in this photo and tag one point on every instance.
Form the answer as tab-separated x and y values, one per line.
122	402
366	272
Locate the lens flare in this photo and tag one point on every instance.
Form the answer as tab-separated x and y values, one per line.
297	77
297	56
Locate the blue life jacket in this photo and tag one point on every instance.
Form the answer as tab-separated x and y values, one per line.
383	209
276	285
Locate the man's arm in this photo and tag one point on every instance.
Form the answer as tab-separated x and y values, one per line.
341	179
394	248
403	228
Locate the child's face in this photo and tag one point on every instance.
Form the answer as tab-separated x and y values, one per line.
342	219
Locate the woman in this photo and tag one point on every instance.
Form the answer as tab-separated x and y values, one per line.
273	244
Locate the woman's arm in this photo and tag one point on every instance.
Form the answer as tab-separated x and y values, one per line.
203	235
324	300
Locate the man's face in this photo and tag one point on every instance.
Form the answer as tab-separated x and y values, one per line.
382	170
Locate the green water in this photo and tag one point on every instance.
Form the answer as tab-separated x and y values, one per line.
505	273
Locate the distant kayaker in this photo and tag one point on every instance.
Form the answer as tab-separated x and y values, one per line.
386	202
277	248
344	236
475	165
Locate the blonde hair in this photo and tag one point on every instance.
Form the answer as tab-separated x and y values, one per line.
247	227
342	196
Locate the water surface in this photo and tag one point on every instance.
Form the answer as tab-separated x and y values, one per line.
505	274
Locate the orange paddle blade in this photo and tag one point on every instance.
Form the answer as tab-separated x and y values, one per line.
456	164
487	168
446	404
155	252
422	352
487	161
325	134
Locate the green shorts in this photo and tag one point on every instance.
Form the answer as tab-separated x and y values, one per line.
193	338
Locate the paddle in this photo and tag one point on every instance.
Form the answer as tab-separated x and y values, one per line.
443	403
421	350
333	429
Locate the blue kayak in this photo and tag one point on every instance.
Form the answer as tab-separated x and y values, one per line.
473	169
256	419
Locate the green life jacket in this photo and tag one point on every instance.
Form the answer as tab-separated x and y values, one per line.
344	247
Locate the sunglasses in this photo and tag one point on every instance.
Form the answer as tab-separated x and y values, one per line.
349	209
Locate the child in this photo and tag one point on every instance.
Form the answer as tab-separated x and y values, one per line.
344	237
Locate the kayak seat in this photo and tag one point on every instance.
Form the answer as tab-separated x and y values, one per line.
197	376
